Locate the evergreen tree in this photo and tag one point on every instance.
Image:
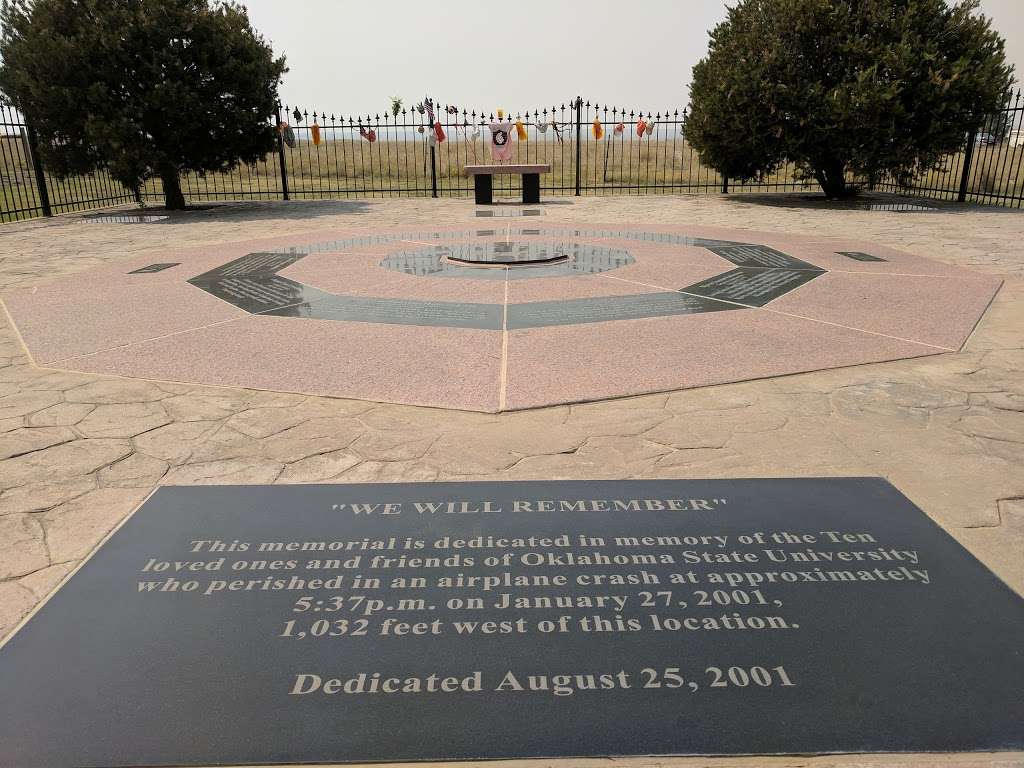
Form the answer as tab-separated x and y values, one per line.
143	88
867	87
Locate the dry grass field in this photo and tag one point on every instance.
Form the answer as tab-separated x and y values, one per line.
353	167
356	168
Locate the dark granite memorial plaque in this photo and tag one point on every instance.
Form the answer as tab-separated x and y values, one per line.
250	265
451	621
749	255
753	287
860	256
261	294
151	268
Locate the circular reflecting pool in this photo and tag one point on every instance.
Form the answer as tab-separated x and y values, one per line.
517	259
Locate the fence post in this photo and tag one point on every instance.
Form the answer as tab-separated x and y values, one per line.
579	146
433	167
37	166
972	137
725	185
433	162
280	153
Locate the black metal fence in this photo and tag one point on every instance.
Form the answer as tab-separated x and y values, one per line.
988	169
27	190
593	149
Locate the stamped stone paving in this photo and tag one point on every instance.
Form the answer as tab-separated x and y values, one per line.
78	451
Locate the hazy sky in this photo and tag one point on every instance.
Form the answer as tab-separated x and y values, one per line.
350	57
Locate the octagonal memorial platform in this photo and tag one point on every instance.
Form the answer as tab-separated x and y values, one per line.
500	317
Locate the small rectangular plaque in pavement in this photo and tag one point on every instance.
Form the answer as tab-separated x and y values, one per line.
242	625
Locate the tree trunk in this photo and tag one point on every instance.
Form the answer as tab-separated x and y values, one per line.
831	175
174	200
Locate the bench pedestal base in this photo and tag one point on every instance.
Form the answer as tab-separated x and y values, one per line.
483	180
531	187
482	188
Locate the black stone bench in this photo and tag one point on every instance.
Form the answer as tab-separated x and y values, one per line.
483	174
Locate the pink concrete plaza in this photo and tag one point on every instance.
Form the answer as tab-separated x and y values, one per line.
159	326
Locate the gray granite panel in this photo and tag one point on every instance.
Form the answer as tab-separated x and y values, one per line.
450	314
604	308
